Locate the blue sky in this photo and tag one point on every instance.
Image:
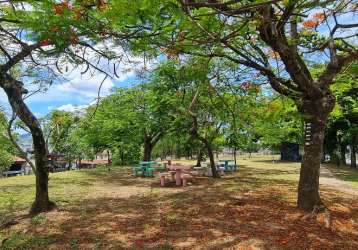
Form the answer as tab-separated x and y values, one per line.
74	90
68	95
78	93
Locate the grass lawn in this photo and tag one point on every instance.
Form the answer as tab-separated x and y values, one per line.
251	209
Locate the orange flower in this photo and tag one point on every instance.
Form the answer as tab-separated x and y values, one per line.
319	16
273	54
45	42
310	23
246	85
74	40
78	14
101	4
58	9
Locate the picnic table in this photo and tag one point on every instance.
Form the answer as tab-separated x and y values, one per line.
229	165
145	167
178	170
148	163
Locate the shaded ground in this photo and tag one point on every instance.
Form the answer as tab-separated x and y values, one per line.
253	209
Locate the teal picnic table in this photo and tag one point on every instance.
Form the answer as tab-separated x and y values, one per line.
229	165
154	166
145	167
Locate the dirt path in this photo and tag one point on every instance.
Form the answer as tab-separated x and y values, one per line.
327	178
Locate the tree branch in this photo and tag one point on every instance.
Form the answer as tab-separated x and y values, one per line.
14	142
332	69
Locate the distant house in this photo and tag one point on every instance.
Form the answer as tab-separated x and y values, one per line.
19	166
57	162
91	164
101	158
290	152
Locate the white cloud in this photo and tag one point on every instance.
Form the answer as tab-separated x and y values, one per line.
77	89
87	87
72	108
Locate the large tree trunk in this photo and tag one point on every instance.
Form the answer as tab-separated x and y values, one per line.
14	91
199	158
315	113
212	160
148	147
353	156
308	188
150	140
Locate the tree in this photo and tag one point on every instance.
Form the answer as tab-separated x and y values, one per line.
203	102
127	119
342	124
44	39
278	122
275	41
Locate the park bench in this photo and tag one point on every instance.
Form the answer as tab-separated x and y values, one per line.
226	166
164	176
201	170
7	173
186	178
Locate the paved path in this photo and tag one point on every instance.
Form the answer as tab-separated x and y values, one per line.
327	178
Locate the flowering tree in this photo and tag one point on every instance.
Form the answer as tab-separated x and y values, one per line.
40	41
279	40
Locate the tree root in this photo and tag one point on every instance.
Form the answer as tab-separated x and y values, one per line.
37	209
319	211
13	221
8	223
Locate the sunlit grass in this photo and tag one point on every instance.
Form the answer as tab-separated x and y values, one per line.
64	187
345	173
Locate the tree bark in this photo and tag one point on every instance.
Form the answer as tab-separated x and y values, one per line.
315	113
147	149
199	158
108	157
353	156
14	91
212	160
343	154
308	188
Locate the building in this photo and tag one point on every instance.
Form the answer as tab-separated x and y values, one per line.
19	166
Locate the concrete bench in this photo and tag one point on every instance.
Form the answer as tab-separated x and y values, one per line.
185	178
164	176
7	173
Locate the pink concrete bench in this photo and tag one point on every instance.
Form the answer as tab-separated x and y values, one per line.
184	178
164	176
